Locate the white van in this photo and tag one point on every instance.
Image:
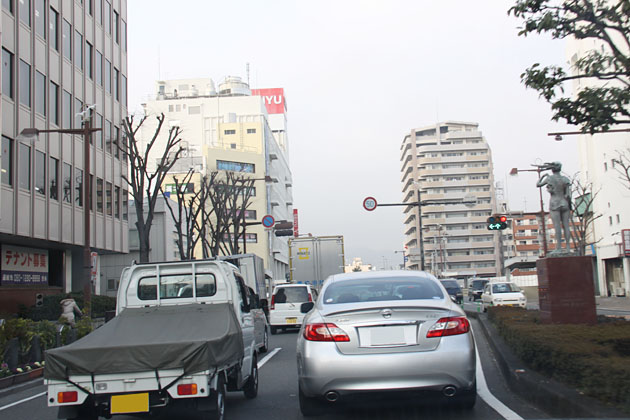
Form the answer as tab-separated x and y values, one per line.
284	311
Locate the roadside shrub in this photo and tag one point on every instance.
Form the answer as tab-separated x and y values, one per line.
51	308
595	359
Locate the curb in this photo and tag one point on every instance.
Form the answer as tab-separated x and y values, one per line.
550	396
21	387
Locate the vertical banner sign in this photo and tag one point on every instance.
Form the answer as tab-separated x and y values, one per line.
24	266
625	235
296	231
273	99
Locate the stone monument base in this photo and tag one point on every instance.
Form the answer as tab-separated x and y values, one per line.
565	290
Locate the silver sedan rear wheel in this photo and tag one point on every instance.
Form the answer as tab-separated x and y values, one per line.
310	406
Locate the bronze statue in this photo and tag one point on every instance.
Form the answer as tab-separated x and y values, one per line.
559	187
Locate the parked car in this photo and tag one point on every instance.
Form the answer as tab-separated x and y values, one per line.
284	311
375	333
453	289
502	294
475	289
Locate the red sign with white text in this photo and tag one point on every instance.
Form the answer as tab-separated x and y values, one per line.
295	224
273	99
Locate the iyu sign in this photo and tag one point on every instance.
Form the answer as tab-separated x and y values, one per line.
273	99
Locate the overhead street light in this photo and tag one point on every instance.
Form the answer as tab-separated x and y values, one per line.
31	134
557	136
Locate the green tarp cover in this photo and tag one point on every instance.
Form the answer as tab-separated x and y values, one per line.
194	337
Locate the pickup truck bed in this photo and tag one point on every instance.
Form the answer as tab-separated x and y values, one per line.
193	338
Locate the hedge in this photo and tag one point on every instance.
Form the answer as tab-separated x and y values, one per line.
51	309
594	359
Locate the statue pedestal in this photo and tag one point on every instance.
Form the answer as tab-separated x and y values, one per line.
565	289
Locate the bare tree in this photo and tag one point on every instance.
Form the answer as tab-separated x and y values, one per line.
228	197
144	182
622	166
189	207
583	199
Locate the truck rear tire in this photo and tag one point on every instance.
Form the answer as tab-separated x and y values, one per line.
251	386
218	401
274	330
265	345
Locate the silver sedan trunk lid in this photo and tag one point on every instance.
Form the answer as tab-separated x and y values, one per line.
387	328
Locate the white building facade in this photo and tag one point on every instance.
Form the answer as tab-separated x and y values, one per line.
236	129
57	57
611	194
449	161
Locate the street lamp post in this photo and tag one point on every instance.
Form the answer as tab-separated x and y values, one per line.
86	132
515	172
404	256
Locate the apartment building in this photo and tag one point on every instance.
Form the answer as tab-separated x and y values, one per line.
233	128
59	56
442	164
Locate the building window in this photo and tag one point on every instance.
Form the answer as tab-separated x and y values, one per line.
116	27
40	173
99	195
108	17
108	76
25	83
89	60
229	132
54	103
115	141
40	18
224	165
116	84
123	90
24	167
90	4
7	73
25	11
108	136
54	29
66	41
605	166
8	5
108	198
78	187
618	219
78	49
53	182
99	68
78	107
123	34
67	183
98	5
40	93
66	108
117	202
7	161
125	205
98	123
610	220
251	131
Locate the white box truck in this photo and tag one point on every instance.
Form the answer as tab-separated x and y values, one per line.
313	258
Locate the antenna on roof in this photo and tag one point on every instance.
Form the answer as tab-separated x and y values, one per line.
247	67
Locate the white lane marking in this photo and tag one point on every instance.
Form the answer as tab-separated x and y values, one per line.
22	401
491	400
267	357
260	364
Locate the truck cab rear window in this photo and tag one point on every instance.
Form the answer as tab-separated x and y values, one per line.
177	286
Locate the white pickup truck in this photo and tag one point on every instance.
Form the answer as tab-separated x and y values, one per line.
185	332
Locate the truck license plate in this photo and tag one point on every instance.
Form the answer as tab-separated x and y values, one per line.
131	403
291	320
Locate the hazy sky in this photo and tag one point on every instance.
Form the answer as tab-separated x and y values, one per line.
358	76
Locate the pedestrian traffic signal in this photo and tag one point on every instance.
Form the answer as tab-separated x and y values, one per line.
497	222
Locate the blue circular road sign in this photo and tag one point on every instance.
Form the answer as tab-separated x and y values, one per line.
268	221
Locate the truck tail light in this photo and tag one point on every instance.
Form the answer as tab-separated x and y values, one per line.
273	302
67	397
325	332
449	326
187	389
310	297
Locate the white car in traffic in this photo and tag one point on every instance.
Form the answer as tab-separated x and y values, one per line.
502	294
286	299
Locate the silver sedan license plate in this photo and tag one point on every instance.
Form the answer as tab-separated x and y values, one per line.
389	336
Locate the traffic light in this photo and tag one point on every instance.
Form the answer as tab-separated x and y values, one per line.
39	300
283	228
497	222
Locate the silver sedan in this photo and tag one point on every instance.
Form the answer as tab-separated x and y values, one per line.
384	333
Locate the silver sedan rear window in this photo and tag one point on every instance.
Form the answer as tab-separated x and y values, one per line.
380	289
